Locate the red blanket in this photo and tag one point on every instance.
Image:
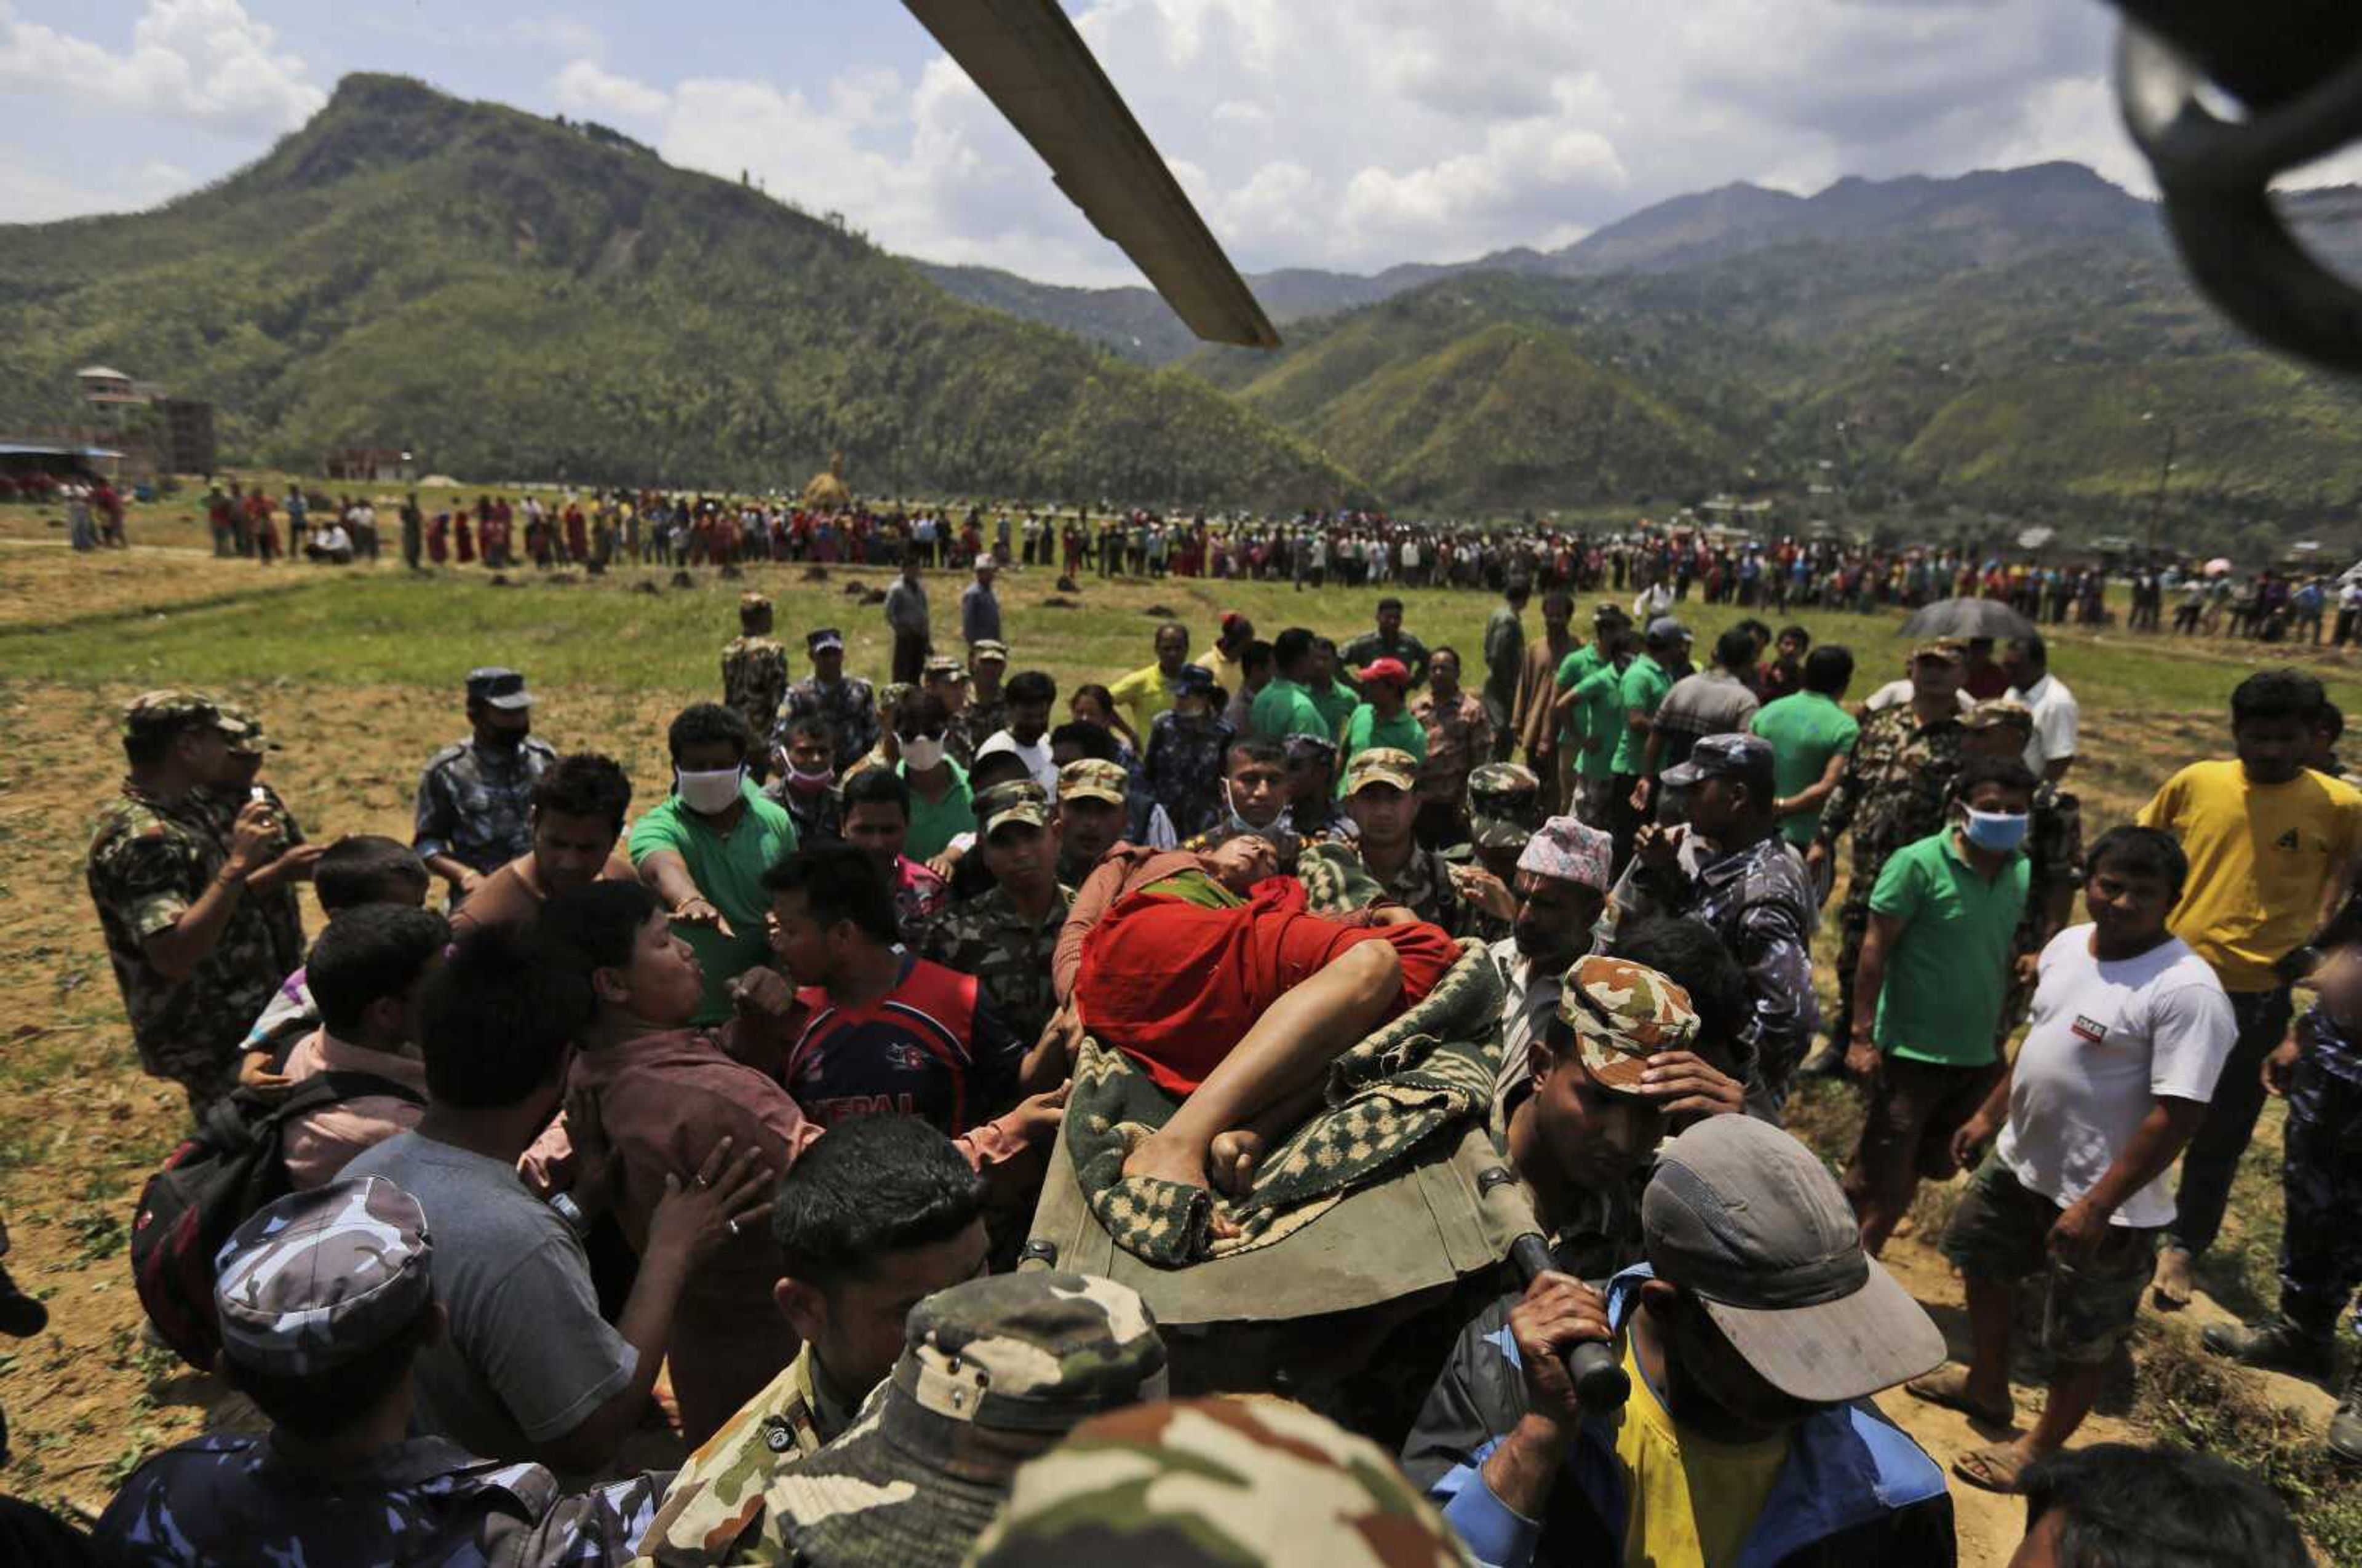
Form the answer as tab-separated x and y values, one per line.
1174	985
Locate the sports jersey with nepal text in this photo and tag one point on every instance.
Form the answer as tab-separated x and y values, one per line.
932	1048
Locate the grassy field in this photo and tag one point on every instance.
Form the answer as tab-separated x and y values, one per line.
359	670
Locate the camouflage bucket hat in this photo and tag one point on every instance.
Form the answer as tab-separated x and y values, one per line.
1381	764
1995	712
1622	1013
1217	1483
945	665
1094	778
244	732
994	1372
989	647
1504	805
315	1278
1944	650
1018	801
168	712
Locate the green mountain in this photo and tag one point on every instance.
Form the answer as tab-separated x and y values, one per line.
1871	373
509	296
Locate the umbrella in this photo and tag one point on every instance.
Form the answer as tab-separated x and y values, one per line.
2219	567
1967	618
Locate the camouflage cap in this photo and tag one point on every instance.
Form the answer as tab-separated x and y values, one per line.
1305	746
989	647
893	694
169	711
1217	1483
243	731
946	666
1944	650
1995	712
993	1372
1094	778
754	601
1504	805
1622	1013
316	1278
1018	801
1194	677
1381	764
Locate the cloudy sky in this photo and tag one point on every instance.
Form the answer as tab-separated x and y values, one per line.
1334	133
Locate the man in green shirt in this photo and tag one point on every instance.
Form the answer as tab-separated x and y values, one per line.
1567	715
1381	721
704	849
1595	704
1284	706
1811	736
1928	992
1641	690
1505	654
1335	698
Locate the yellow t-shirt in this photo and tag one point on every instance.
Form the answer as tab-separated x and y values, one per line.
2261	856
1687	1500
1143	695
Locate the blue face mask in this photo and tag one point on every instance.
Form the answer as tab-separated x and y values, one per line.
1999	832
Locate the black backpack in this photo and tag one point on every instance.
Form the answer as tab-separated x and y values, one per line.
212	1181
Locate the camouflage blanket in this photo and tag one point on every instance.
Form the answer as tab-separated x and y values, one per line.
1399	1095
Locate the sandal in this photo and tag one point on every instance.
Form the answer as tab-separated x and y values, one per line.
1996	1467
1949	1387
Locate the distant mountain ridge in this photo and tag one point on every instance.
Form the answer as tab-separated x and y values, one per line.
1994	214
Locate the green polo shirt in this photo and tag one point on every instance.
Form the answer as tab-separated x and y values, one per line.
1805	729
933	826
1336	705
1364	731
1283	708
1948	970
1571	671
1643	686
1600	702
728	869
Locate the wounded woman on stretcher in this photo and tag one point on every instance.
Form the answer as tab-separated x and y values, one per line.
1217	979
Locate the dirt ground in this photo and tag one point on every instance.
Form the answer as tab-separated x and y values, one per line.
81	1128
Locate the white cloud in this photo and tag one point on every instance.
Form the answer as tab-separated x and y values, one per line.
27	195
201	60
584	88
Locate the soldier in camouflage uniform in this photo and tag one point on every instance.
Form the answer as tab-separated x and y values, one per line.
1891	793
169	888
1182	759
269	893
993	1372
2319	1069
1005	937
1381	795
323	1298
985	713
847	701
755	668
1505	810
2054	847
1217	1483
475	800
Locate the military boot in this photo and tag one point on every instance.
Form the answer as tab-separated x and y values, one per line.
2277	1343
2345	1426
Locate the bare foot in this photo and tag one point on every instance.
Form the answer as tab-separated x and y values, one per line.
1234	1159
2171	1291
1163	1158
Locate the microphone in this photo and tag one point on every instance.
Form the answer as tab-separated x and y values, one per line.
1600	1383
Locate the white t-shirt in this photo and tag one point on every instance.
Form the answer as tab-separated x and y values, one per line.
1894	694
1035	757
2055	712
2105	1041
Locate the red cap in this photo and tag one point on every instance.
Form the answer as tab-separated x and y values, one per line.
1392	670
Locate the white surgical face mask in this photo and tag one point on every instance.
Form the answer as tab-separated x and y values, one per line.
708	794
923	752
